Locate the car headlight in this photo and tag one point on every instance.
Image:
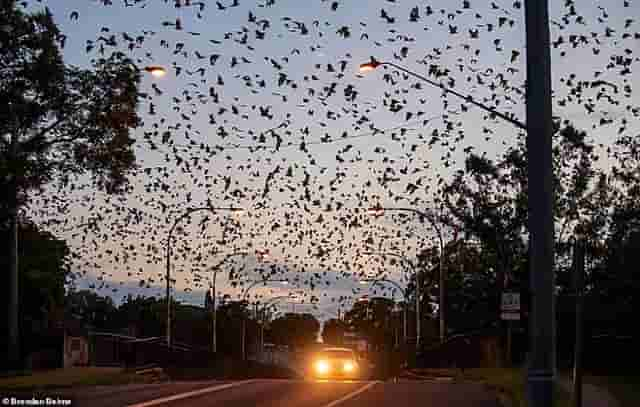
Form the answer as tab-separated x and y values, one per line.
349	366
322	366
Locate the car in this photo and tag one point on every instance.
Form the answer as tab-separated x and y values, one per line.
336	363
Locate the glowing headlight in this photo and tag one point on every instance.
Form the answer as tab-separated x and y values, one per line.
322	366
349	366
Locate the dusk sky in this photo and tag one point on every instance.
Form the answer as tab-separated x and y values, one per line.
353	140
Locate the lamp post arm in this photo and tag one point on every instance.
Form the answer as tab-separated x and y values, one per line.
188	212
426	215
468	99
272	302
246	292
215	268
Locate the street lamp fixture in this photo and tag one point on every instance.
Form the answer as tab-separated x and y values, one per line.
373	64
369	66
156	70
375	211
262	255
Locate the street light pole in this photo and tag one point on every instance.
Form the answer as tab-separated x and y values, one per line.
262	314
542	333
418	294
403	292
539	129
215	269
186	214
378	211
244	297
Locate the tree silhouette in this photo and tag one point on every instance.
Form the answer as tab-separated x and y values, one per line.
57	121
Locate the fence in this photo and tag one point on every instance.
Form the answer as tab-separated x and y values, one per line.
107	349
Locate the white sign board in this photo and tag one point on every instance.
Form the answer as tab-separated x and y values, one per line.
510	302
510	306
510	316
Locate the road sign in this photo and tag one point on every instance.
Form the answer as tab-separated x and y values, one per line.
510	316
510	306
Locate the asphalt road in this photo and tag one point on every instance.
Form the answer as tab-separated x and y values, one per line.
285	393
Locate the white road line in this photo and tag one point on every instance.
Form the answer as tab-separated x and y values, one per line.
193	393
351	395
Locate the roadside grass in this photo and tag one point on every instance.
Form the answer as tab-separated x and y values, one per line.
625	389
72	377
508	383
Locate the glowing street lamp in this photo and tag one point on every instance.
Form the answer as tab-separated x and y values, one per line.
374	64
156	70
376	211
263	255
369	66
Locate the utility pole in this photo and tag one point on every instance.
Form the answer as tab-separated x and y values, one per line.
13	335
442	288
542	359
418	325
578	283
243	341
214	339
168	290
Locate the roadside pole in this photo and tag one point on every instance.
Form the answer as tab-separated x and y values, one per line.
578	282
509	312
541	366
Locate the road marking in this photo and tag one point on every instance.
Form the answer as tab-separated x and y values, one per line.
190	394
351	395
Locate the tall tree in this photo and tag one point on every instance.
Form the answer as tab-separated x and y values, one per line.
91	309
43	275
295	330
333	331
373	318
57	121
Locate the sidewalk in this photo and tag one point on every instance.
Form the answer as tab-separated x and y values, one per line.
592	396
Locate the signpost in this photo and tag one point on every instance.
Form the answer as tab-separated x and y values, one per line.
510	311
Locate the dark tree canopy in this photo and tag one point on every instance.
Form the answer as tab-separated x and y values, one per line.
44	273
57	121
333	331
295	330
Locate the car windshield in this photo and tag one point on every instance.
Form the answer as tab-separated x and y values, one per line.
337	354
